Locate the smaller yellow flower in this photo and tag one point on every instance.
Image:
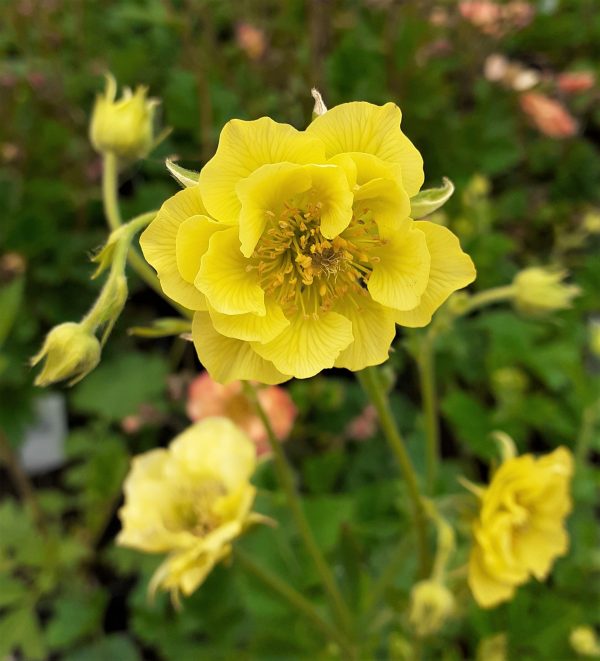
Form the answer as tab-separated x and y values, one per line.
520	528
585	642
431	605
123	127
541	290
70	352
191	501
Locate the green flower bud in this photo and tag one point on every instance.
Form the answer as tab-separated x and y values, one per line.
70	352
493	648
585	642
124	127
541	290
431	605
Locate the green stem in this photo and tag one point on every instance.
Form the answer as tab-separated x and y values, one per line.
426	367
296	601
110	190
370	381
21	481
586	432
286	479
487	297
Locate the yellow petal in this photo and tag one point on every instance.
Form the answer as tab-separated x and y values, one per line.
451	269
223	277
243	148
263	195
364	127
251	327
400	277
487	591
215	447
373	329
192	242
330	190
227	359
308	345
158	244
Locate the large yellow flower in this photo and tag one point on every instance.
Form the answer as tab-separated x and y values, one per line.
296	248
520	529
190	501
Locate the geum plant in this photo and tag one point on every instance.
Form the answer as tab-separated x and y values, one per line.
292	252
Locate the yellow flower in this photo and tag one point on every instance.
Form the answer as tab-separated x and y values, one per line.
191	501
123	127
70	351
296	249
541	290
520	528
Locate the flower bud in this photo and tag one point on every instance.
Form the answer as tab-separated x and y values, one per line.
591	222
431	605
585	641
124	127
594	335
541	290
70	352
493	648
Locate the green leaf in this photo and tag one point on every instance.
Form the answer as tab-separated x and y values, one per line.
185	177
430	200
471	423
162	328
19	630
325	515
110	648
11	296
120	384
11	590
76	615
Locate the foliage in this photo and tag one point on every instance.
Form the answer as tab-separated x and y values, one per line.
520	200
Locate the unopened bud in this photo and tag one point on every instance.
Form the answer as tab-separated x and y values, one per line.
431	605
493	648
69	351
585	642
123	127
541	290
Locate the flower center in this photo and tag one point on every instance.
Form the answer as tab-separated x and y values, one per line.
303	270
194	508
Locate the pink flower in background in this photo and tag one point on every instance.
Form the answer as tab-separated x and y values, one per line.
575	81
251	40
549	116
207	398
483	14
496	19
364	425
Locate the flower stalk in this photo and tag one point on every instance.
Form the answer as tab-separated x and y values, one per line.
110	188
286	479
370	381
295	600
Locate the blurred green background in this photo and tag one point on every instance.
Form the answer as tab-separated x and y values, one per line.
488	97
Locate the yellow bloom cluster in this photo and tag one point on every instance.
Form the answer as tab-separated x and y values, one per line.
296	248
190	501
520	529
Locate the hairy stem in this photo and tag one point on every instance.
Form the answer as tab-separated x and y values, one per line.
426	367
110	189
295	600
370	381
286	479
